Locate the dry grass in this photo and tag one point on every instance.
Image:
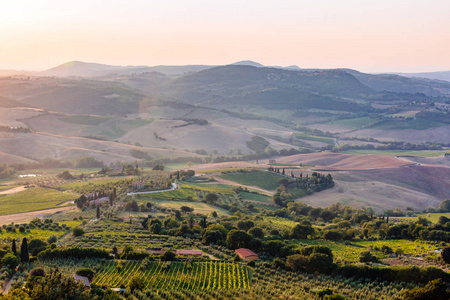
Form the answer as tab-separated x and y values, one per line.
382	189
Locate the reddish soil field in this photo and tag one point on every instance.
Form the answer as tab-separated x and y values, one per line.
339	161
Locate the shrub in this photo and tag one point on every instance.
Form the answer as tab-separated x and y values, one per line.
77	231
37	272
136	283
168	256
366	257
445	254
52	239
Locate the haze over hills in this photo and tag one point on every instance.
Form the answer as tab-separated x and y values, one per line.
137	113
443	75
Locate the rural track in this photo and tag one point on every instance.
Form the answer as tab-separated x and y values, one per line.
174	187
229	182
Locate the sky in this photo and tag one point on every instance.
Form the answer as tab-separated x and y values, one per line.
367	35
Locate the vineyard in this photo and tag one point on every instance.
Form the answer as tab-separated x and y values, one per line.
176	276
160	275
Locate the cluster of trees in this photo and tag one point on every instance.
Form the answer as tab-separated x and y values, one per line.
294	187
15	129
387	146
49	163
443	117
84	200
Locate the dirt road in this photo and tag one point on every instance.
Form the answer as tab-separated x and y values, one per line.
28	216
229	182
13	190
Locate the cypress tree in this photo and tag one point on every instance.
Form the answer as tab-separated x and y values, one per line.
24	255
14	248
98	212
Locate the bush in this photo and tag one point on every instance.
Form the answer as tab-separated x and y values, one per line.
168	256
37	272
10	261
77	231
136	283
436	289
445	254
366	257
52	239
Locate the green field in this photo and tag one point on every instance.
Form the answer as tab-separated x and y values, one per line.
121	127
355	123
308	137
351	251
264	180
422	153
418	124
432	217
179	194
31	234
85	119
255	197
7	187
33	199
178	166
199	207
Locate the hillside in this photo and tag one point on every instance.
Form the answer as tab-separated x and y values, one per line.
269	88
443	75
402	84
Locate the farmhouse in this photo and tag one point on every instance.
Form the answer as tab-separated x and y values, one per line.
100	201
246	254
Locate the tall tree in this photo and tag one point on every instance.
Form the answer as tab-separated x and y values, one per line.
24	255
13	247
98	212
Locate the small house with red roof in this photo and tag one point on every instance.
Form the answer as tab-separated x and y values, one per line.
246	254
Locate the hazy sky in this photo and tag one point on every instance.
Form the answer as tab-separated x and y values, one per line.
369	35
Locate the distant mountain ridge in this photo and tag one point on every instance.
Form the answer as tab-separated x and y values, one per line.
442	75
84	69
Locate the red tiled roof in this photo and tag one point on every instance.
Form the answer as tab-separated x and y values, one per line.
244	252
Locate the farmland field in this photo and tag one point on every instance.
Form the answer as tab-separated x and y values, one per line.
350	252
314	138
432	217
354	123
42	198
255	197
165	275
423	153
199	207
264	180
177	276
